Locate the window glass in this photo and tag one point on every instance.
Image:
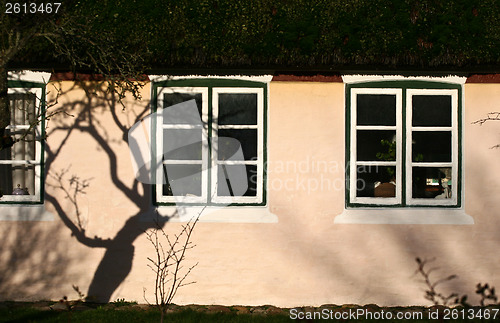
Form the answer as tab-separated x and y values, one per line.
247	139
376	110
431	182
373	145
431	146
237	109
175	117
16	176
226	187
22	150
22	108
431	110
182	180
182	144
376	181
20	162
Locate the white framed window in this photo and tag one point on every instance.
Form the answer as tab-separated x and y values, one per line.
191	131
224	141
403	144
376	123
238	113
432	146
21	165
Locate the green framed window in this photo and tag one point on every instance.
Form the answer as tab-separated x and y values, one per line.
403	146
229	112
21	166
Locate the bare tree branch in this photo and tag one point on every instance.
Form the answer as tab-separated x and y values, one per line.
170	275
491	116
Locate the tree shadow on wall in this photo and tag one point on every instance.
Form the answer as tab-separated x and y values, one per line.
33	259
85	116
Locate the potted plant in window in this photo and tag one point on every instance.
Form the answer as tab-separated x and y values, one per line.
387	187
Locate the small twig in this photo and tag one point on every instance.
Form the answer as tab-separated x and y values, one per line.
72	192
491	116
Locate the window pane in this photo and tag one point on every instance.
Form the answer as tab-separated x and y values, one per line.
376	181
247	139
22	150
376	110
182	180
5	154
374	145
431	110
183	144
17	176
176	116
22	108
431	146
237	109
431	182
237	180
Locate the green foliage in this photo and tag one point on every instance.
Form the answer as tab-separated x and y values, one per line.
104	314
390	155
122	302
305	34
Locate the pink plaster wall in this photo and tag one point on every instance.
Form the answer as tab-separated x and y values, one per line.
304	259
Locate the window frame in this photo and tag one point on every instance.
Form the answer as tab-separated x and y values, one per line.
38	89
454	146
159	142
403	132
353	151
211	88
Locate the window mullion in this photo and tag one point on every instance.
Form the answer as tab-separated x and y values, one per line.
376	127
376	163
353	143
207	144
399	146
409	152
455	144
432	129
237	126
214	133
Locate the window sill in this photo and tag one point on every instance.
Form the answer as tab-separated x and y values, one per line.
17	212
404	216
232	214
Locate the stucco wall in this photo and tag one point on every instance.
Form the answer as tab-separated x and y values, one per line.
304	259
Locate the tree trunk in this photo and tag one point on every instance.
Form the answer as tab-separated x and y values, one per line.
4	102
5	139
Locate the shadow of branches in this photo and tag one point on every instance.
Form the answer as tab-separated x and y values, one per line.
95	106
33	259
486	293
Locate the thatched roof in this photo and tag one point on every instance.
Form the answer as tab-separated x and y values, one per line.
297	35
